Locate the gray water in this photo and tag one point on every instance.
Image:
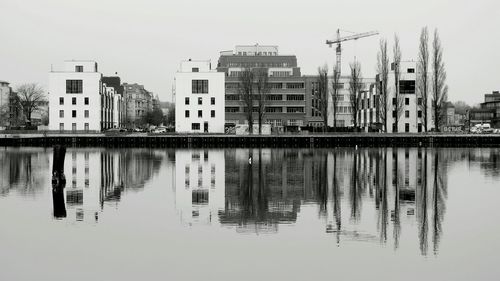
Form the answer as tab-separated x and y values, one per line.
251	214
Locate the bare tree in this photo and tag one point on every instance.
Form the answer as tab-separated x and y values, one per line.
263	88
398	99
423	77
31	96
335	94
322	94
383	77
439	87
355	87
245	89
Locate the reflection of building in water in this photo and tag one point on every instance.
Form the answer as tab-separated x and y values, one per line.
267	192
199	185
22	170
95	177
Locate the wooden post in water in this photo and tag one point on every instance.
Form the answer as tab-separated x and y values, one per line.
58	181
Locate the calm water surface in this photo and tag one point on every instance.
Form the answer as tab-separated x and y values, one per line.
286	214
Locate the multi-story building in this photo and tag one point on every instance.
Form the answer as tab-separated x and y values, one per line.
286	101
489	111
5	97
79	100
199	98
119	106
409	114
139	101
344	116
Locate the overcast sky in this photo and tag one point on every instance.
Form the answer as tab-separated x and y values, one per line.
144	41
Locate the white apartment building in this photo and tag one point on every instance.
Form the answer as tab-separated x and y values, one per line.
410	113
344	109
199	98
78	100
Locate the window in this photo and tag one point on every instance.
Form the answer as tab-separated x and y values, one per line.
61	113
61	101
298	85
294	97
295	109
212	101
195	69
232	97
73	101
394	101
419	101
212	113
419	114
394	127
86	126
407	86
73	126
86	114
411	70
407	127
200	101
186	101
407	114
86	101
200	113
79	68
276	109
199	87
274	97
419	127
74	86
394	114
73	113
61	126
407	101
233	109
186	113
195	126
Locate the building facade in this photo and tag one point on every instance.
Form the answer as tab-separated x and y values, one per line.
285	104
139	102
79	100
489	111
409	106
199	98
5	98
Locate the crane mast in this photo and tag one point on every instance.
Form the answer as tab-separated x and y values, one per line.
338	49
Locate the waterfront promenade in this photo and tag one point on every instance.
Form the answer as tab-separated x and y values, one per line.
222	140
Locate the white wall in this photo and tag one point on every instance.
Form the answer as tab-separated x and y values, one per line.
91	89
183	89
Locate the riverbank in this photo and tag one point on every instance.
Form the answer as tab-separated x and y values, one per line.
222	141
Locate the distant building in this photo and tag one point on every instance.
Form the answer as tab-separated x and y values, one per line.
199	98
5	98
410	114
139	101
286	103
119	105
79	100
489	111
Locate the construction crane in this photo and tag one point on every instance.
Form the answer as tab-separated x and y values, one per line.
346	38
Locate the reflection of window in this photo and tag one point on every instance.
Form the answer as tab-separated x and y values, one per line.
199	196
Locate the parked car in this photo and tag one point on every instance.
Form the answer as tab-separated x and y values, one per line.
487	128
159	130
113	130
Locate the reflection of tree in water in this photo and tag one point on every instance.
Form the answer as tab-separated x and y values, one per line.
23	171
